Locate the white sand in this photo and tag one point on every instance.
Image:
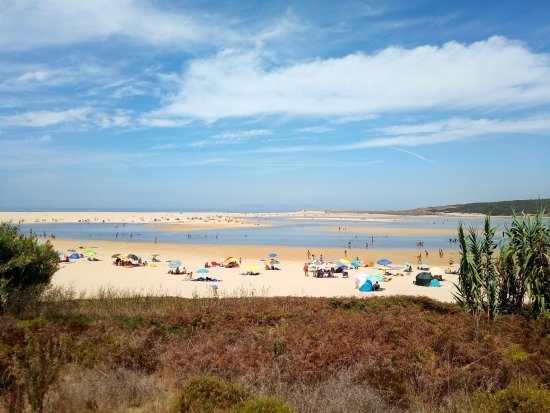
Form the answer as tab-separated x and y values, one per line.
87	276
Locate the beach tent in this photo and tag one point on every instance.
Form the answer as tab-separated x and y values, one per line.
434	283
355	263
360	280
366	287
74	256
423	279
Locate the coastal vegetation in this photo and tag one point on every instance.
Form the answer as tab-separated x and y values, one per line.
118	351
499	281
121	352
505	208
26	267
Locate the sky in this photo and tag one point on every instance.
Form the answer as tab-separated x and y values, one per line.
242	105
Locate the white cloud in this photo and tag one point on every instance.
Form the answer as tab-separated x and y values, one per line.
41	118
315	129
450	130
492	73
231	138
28	23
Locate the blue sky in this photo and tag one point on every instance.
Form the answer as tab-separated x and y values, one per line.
246	105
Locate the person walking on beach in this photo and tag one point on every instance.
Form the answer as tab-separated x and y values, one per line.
346	253
308	254
306	269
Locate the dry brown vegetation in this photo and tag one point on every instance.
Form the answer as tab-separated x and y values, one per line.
130	353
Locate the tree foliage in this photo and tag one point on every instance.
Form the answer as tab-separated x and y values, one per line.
493	285
25	266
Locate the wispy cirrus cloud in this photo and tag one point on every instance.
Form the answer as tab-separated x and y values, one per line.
230	138
41	118
449	130
496	72
26	24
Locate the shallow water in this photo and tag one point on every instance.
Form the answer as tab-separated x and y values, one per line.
282	231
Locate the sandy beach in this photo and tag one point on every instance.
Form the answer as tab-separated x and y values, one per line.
184	221
90	276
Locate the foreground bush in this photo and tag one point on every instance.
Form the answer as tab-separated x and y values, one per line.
209	394
264	405
26	268
513	399
382	355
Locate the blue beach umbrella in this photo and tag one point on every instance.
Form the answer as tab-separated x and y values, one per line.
272	255
74	256
174	264
374	278
202	271
383	262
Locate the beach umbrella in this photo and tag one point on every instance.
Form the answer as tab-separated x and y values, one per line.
90	253
383	268
231	259
344	261
61	254
272	255
174	264
375	277
132	257
74	256
116	255
251	267
437	271
155	255
355	263
202	271
383	262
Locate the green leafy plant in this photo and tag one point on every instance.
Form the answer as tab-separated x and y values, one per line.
26	268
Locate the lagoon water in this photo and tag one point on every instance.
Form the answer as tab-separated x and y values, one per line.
281	231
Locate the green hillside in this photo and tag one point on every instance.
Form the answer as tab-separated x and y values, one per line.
528	206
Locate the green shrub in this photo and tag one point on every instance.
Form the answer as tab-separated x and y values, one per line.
207	394
513	399
26	268
263	405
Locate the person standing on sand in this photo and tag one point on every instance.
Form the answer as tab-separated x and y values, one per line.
346	253
306	269
308	254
